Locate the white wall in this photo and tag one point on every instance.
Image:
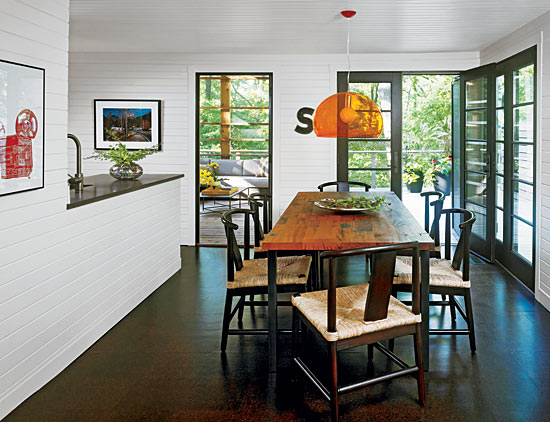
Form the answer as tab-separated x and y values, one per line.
64	280
300	162
535	33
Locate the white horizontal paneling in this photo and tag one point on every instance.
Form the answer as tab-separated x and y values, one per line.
64	280
295	27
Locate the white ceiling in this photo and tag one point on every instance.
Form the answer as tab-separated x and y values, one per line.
294	26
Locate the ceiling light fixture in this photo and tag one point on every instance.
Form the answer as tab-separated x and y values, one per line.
347	114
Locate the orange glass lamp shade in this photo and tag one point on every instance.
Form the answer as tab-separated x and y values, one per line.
347	115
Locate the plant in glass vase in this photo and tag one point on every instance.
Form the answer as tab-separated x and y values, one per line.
125	166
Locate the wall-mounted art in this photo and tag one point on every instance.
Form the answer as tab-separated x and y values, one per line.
135	123
21	127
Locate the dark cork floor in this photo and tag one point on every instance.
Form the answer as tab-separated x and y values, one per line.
162	363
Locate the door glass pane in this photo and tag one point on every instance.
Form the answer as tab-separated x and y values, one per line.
476	124
378	179
500	157
476	93
500	91
523	239
523	201
500	191
500	125
500	225
386	126
479	227
523	123
379	92
523	84
476	188
476	155
523	162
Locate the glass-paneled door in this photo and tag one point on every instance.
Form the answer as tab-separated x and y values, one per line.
374	161
497	168
477	141
515	165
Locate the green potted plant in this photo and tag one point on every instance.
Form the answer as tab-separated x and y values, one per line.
442	174
125	166
414	176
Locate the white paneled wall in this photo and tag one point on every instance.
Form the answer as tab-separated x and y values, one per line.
300	162
131	76
535	33
65	280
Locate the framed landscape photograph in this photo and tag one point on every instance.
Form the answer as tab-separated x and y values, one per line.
136	123
22	91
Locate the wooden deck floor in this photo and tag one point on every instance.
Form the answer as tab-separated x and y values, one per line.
211	228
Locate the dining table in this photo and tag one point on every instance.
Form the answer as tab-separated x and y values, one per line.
307	228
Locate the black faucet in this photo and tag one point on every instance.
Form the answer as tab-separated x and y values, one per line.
76	182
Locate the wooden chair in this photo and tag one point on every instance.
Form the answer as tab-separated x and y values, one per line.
343	186
445	275
351	316
263	201
249	276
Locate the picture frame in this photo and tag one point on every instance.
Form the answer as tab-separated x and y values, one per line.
22	127
135	122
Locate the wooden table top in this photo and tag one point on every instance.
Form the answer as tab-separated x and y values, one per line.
303	226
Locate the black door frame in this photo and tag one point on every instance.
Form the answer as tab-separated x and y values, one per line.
197	140
484	247
504	253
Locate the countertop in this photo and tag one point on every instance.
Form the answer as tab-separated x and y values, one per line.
105	186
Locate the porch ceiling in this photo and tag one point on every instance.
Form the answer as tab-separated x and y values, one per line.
294	26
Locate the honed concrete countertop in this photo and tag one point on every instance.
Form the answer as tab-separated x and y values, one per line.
105	186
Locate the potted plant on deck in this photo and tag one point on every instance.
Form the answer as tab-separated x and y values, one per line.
414	177
442	174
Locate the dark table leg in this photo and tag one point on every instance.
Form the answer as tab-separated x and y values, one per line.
425	306
272	308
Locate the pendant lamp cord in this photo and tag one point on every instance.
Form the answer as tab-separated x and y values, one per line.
347	50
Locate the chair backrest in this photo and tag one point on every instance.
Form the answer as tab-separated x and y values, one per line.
234	258
462	251
343	186
255	202
381	280
437	204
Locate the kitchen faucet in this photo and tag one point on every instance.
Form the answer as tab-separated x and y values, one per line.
76	182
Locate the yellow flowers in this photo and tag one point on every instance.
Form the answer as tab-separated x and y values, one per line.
206	177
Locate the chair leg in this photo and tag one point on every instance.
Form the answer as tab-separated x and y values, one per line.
453	307
470	315
241	309
334	383
226	319
418	359
391	344
370	352
252	302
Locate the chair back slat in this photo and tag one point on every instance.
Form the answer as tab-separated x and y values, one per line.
255	205
342	186
437	204
378	297
234	258
461	256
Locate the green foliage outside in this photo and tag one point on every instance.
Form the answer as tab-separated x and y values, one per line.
244	93
426	126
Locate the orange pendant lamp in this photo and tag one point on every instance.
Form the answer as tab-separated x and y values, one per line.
348	114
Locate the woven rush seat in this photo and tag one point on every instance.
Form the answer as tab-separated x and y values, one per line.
290	270
441	273
350	309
